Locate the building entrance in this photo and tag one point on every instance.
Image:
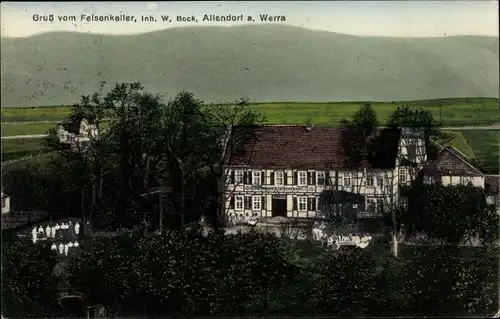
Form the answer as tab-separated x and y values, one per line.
279	205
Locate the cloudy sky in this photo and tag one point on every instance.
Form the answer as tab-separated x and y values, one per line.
380	18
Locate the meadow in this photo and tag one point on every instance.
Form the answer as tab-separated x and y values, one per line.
18	148
486	147
453	112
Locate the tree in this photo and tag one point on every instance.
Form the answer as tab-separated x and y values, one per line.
417	118
343	283
27	288
454	214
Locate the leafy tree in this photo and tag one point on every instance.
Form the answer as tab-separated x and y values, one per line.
454	214
27	288
356	134
417	118
343	283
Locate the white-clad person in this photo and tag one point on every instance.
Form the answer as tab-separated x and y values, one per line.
53	232
34	233
66	248
77	228
48	231
53	247
61	248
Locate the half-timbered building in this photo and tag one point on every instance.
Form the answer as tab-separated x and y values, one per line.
299	171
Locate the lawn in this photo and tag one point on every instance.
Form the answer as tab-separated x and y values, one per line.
486	147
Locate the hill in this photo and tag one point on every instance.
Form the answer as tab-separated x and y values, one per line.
263	63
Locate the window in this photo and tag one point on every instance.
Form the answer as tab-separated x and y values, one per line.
347	180
302	204
320	178
380	205
380	182
302	179
370	206
369	181
3	202
278	179
256	178
256	202
238	201
402	176
238	177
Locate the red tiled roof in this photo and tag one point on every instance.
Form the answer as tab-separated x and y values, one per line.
293	146
450	162
492	184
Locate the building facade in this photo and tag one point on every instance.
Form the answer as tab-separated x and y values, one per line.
297	171
76	132
450	167
5	202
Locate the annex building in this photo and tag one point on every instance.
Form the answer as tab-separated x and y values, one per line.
304	171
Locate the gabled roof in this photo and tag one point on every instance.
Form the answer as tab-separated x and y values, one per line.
294	146
451	162
492	184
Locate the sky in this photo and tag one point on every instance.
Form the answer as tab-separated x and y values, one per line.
373	18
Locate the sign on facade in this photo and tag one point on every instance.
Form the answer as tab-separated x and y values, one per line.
277	189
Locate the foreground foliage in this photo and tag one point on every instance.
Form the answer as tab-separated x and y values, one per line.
254	274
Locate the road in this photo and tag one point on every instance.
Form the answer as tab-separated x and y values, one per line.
15	137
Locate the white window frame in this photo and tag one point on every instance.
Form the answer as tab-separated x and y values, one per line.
321	174
346	176
257	200
256	176
279	176
402	172
372	179
239	199
302	200
301	175
239	175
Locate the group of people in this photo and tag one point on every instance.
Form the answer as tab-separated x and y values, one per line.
336	241
51	231
64	248
238	218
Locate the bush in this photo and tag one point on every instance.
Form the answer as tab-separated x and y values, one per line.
176	273
27	288
343	282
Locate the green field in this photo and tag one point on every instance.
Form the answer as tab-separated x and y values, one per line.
12	129
32	114
18	148
466	111
486	147
458	141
